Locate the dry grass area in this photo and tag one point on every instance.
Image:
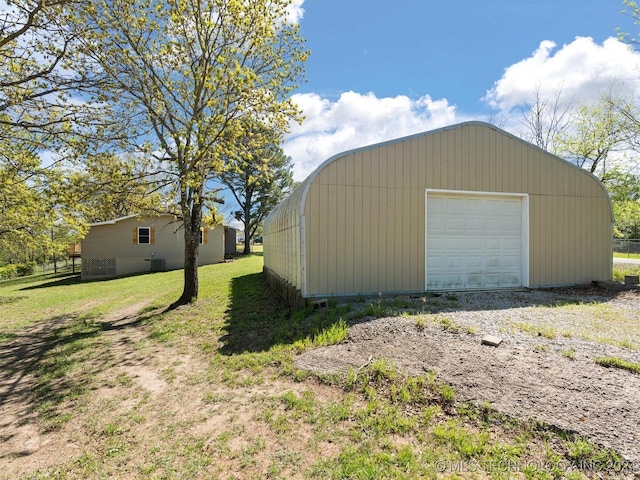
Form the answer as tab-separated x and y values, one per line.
97	381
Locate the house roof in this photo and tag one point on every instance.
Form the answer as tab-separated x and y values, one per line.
116	220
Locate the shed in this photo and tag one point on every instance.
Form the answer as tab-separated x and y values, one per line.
135	244
465	207
230	241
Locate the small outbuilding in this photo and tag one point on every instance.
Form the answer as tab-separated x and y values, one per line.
230	241
136	244
466	207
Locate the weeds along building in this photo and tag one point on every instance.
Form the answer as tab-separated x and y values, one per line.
460	208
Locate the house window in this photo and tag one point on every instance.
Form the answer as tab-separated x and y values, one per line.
144	235
203	236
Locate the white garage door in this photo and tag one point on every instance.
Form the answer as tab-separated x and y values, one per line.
473	241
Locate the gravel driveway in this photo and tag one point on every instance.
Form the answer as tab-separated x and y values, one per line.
544	369
628	261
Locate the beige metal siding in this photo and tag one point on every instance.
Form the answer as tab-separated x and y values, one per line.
377	243
364	218
282	240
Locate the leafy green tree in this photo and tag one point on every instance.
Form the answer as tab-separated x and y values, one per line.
113	186
186	70
627	219
622	186
624	190
259	175
43	82
45	108
37	212
597	131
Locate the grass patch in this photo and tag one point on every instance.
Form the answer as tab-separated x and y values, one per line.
620	270
250	412
615	362
626	255
544	331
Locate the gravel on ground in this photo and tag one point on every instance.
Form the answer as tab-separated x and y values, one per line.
544	369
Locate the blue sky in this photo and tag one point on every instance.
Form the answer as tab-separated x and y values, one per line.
447	49
382	69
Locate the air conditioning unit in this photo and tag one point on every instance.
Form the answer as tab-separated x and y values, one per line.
158	265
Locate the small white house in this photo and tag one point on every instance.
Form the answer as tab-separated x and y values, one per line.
136	244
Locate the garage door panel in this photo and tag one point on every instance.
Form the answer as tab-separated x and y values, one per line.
454	226
473	242
512	261
475	226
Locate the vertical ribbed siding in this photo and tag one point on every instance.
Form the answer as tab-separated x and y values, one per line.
282	240
364	212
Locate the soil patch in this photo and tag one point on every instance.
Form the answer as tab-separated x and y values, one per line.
528	375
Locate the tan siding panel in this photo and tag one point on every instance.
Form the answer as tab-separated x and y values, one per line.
323	239
397	236
377	238
409	253
387	205
366	239
387	159
349	175
346	234
371	238
417	168
374	166
355	223
313	234
358	172
435	181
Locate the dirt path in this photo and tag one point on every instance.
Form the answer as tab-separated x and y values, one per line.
23	438
145	403
521	378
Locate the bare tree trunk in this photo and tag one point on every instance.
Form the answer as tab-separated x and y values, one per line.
247	228
192	220
191	252
247	244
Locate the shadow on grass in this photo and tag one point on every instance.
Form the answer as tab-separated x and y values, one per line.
74	279
34	278
59	280
255	312
258	319
45	367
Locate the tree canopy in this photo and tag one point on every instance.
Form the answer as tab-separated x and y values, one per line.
258	174
184	71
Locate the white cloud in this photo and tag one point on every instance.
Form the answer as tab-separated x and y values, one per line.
582	70
295	11
356	120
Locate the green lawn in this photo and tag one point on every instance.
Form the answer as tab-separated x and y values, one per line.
620	270
626	255
222	399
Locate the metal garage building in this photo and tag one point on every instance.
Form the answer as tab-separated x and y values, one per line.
460	208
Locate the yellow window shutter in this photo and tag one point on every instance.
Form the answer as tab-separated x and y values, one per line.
205	236
153	235
135	235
